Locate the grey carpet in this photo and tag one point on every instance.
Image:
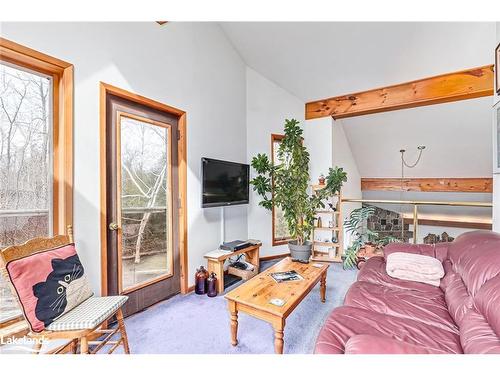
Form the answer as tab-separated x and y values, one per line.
194	324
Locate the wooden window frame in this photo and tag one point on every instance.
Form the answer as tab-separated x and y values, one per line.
107	89
61	73
275	241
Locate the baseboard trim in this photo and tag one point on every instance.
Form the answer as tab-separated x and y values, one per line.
275	256
190	289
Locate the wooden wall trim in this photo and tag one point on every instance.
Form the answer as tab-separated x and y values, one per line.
61	73
462	185
106	89
450	223
465	84
275	241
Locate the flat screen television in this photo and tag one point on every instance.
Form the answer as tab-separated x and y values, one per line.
224	183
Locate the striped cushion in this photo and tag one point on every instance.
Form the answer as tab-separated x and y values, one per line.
89	314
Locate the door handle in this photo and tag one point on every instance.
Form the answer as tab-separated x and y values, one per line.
113	226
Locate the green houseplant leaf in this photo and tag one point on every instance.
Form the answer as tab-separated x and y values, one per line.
355	225
286	184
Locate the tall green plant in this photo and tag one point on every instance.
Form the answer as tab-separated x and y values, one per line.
286	184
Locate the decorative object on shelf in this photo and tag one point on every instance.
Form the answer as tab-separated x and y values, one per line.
432	238
320	249
212	285
321	179
201	276
285	185
445	237
319	222
497	68
362	236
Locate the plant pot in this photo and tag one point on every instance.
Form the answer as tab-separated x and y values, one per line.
300	252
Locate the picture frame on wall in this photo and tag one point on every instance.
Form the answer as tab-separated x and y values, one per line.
497	69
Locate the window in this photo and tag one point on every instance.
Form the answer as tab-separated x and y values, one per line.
35	151
280	229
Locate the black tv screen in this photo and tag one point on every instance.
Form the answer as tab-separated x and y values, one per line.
224	183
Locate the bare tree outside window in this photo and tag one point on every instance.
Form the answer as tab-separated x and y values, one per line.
145	202
25	163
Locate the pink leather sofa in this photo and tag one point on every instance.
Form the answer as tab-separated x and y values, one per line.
386	315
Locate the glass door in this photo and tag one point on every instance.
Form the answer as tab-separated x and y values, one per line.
145	201
142	188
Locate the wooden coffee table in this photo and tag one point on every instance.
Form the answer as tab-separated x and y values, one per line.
253	297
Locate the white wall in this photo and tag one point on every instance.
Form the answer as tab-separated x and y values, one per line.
343	157
268	105
191	66
457	137
318	140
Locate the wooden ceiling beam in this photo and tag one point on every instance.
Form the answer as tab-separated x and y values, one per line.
460	185
465	84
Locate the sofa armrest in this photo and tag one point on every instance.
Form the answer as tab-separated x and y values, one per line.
370	344
438	251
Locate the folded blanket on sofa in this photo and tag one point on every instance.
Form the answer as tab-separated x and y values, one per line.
414	267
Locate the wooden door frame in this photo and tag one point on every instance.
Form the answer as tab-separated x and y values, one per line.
106	89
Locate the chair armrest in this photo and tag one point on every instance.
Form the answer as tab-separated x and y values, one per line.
438	251
370	344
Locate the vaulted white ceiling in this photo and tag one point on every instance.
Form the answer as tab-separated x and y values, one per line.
318	60
457	136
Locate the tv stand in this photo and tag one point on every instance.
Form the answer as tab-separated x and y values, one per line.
216	264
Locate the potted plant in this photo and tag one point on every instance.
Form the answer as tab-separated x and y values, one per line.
362	237
286	185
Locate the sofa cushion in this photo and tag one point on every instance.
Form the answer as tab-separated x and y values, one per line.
374	272
346	321
402	303
89	314
370	344
457	299
438	251
475	257
477	336
487	303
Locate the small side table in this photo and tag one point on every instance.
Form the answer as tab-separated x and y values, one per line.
216	264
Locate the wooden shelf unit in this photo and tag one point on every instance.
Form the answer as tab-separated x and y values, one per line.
320	248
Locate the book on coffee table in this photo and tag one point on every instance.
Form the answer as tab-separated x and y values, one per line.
280	277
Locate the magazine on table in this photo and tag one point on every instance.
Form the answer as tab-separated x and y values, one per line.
280	277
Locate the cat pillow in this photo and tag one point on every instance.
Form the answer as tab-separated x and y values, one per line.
49	284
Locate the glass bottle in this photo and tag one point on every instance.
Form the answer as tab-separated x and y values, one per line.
212	285
200	285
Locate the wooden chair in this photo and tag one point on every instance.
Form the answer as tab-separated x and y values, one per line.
84	325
